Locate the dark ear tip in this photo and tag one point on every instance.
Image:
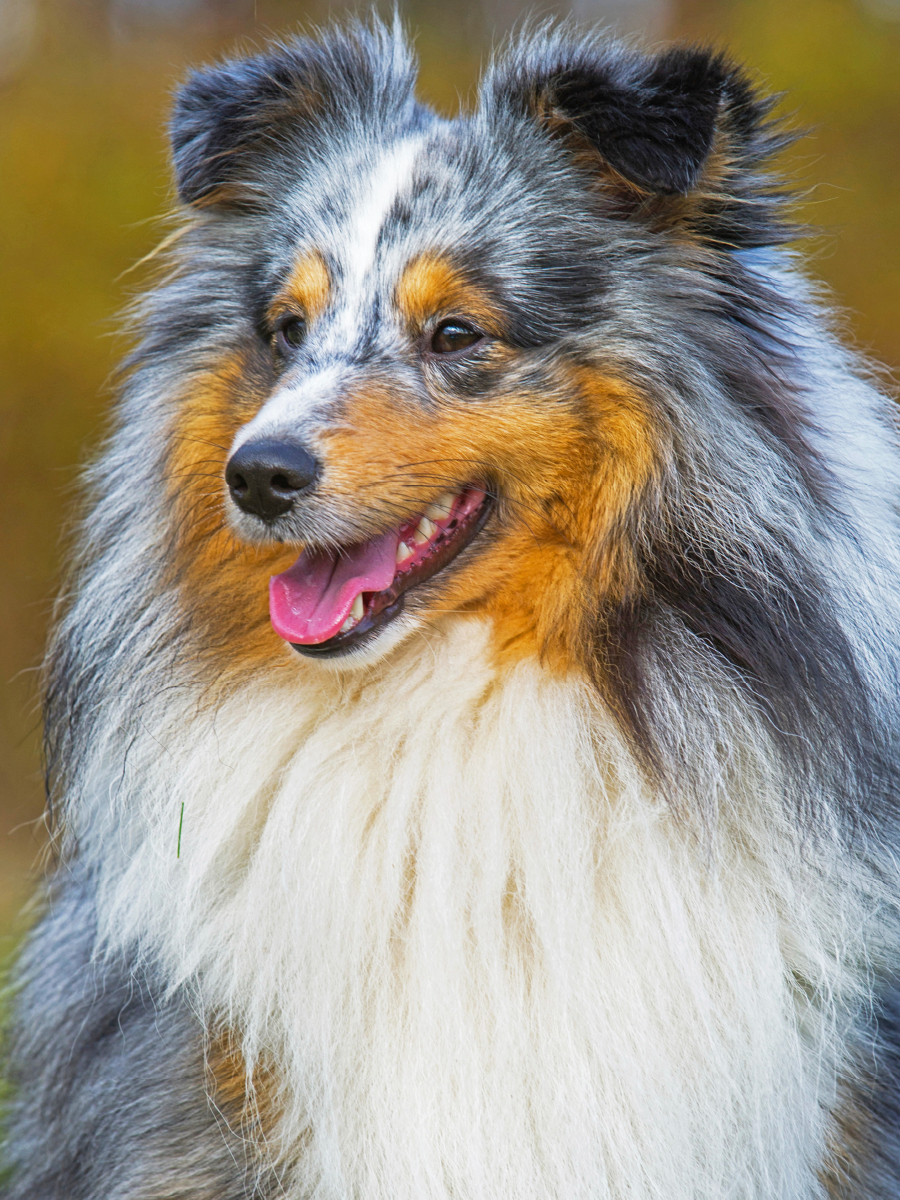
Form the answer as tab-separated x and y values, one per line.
684	87
701	66
653	118
196	106
236	122
709	71
218	114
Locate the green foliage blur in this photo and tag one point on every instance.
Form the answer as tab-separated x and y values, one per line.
84	91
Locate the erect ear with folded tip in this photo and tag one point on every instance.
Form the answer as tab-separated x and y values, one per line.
243	131
227	119
652	119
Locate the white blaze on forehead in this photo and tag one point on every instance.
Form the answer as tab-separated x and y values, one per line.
376	192
389	177
290	408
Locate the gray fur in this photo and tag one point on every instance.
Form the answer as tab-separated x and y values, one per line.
110	1089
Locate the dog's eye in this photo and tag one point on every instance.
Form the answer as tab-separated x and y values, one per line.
453	335
291	334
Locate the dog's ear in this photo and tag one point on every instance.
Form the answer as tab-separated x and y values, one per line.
244	128
679	137
652	119
227	118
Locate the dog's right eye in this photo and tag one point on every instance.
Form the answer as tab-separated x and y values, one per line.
291	334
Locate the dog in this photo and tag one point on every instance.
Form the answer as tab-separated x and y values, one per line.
472	725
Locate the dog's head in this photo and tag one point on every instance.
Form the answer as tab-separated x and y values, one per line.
428	360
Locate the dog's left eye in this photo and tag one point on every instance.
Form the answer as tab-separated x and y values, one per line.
453	335
291	334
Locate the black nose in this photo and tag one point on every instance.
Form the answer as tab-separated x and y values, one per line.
264	477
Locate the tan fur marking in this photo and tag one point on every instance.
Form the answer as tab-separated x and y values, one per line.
249	1107
571	475
306	289
220	579
430	287
592	505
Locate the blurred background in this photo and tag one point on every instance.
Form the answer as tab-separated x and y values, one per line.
84	92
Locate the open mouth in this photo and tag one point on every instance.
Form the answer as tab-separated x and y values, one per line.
329	602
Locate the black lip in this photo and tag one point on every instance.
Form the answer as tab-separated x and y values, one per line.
386	606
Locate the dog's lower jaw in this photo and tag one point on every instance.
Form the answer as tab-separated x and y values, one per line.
368	653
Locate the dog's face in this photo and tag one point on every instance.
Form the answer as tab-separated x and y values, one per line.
411	412
430	436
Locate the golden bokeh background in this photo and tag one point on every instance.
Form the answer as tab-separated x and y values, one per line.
84	91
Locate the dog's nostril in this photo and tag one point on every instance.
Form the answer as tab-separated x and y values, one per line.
265	477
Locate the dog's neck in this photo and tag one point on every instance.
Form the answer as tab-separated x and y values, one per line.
442	898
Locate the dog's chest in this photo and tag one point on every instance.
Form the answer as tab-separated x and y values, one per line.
483	958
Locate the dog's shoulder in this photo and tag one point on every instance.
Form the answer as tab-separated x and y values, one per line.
110	1077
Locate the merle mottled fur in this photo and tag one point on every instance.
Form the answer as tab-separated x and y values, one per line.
742	570
101	1052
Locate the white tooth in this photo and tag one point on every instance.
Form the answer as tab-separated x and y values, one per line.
442	507
355	615
403	552
425	531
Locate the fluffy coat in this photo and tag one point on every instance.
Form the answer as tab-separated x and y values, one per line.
578	878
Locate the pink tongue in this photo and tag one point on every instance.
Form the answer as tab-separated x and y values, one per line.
310	601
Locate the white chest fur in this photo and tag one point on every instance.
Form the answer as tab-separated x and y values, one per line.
488	961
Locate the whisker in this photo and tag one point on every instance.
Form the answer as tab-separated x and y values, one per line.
180	437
